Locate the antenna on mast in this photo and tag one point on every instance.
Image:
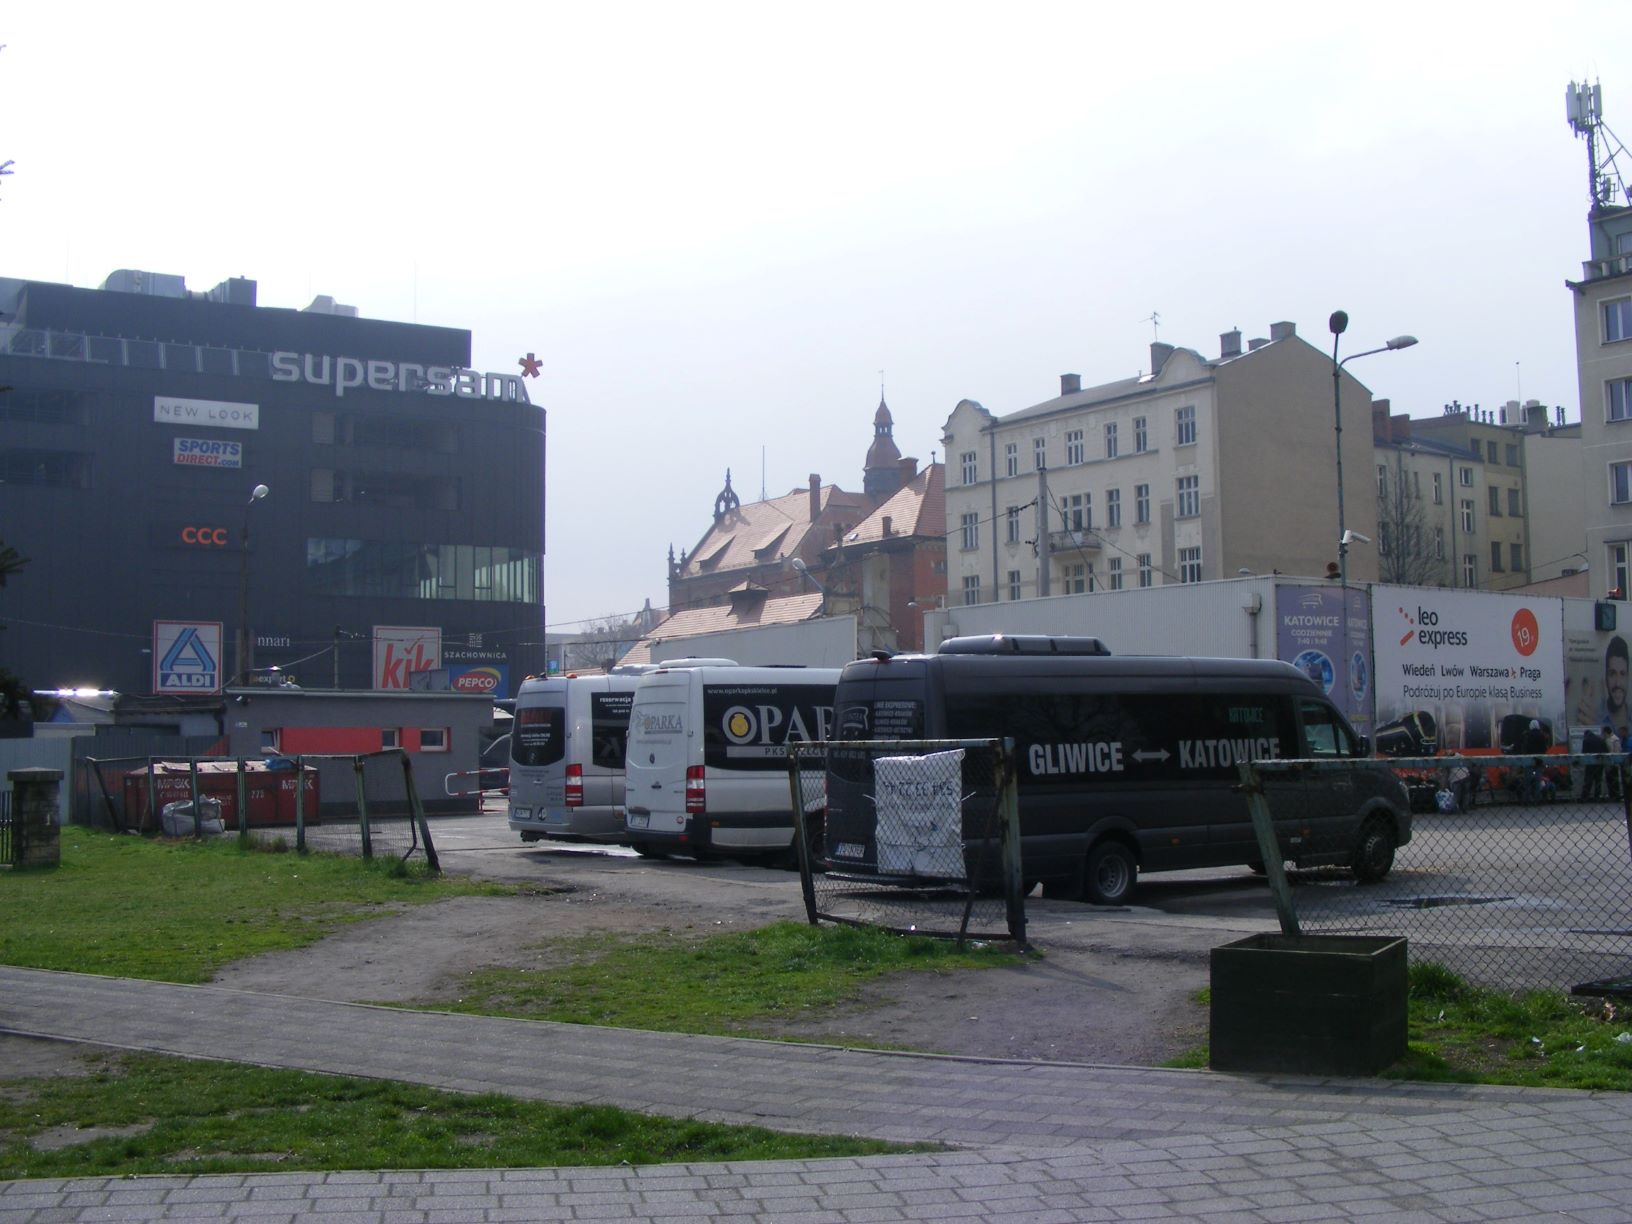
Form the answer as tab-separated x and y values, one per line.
1584	108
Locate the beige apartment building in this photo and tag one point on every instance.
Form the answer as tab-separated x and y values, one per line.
1201	468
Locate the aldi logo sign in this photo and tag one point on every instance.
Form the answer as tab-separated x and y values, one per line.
187	657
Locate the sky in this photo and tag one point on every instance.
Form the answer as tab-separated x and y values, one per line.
724	227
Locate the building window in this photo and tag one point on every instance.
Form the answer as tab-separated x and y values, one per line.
971	589
1515	558
1190	565
1512	455
1141	436
1076	579
323	428
1513	507
1495	501
1439	490
1382	481
1467	515
390	737
1110	439
1184	421
1618	400
1439	543
1464	477
1077	513
271	739
395	570
1470	570
969	526
1495	556
1490	453
1113	507
1385	539
1011	458
1011	525
433	739
1039	453
1115	567
1145	572
1014	585
1620	483
1141	503
1073	447
1618	320
971	469
1618	567
1189	496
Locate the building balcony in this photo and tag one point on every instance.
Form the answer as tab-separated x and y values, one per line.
1072	540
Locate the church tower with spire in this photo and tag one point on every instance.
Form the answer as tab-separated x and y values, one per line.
882	475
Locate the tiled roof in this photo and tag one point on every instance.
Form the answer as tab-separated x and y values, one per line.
756	532
918	508
694	622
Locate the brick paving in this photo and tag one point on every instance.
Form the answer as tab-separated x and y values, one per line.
1028	1141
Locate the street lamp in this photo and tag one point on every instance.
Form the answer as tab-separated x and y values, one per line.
1339	323
800	567
246	653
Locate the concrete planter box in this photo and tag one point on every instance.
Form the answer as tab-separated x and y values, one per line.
1309	1004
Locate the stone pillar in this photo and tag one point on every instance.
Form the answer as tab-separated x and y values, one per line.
34	817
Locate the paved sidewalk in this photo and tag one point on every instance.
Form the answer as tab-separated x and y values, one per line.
1034	1141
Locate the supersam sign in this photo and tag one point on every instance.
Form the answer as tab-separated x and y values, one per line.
1479	664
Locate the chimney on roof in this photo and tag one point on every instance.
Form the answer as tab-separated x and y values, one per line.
1070	384
1535	415
908	467
815	497
889	525
1256	343
1282	331
1159	353
1229	344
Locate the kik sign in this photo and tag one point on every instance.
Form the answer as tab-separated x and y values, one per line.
187	657
401	650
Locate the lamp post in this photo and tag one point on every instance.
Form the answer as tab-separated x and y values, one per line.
246	653
1339	323
801	568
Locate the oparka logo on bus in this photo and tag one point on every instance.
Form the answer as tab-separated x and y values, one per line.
345	373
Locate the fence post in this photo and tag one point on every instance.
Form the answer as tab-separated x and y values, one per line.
1269	847
300	804
1008	811
192	783
362	806
417	807
243	800
801	846
152	797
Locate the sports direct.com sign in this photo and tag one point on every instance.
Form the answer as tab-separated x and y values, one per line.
207	452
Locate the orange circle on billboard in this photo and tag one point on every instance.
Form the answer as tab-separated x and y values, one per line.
1526	633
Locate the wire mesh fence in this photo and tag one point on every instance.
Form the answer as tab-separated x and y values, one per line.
386	817
911	836
1517	873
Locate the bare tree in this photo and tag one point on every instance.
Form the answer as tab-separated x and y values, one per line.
1407	552
602	643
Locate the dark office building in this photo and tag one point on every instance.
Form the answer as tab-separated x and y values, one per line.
400	541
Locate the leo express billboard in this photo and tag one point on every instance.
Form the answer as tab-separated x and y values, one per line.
1468	658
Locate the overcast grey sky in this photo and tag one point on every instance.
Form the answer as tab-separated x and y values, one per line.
716	223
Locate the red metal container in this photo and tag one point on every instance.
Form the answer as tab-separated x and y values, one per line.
270	792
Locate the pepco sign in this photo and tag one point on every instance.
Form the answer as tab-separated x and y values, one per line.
477	680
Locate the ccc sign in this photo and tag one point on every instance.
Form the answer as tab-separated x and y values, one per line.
204	537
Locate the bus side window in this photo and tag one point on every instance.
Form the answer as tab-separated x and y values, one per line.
1321	734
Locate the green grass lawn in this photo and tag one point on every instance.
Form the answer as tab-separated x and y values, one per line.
178	910
145	1113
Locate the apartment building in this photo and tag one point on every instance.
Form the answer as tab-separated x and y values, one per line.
1603	348
1200	468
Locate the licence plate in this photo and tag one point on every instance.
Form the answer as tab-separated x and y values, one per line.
639	822
521	813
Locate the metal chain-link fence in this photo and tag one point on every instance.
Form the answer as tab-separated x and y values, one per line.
1517	874
911	836
386	817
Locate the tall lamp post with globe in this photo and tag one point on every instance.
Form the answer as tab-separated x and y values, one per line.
246	652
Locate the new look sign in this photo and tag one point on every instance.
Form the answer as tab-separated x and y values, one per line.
218	414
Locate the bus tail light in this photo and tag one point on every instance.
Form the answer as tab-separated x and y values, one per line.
575	786
696	790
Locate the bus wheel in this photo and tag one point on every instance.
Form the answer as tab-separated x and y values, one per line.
647	850
1109	877
1373	851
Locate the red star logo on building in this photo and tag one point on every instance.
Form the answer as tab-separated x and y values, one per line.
530	366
